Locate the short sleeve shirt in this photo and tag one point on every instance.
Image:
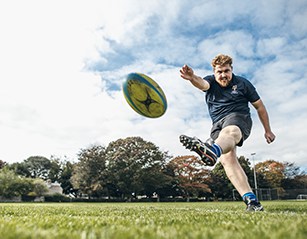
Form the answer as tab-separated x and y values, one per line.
235	97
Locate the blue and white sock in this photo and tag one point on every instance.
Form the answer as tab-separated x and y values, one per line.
217	149
250	195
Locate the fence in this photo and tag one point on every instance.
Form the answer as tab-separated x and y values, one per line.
273	193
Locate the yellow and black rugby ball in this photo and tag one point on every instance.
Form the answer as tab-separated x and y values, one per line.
144	95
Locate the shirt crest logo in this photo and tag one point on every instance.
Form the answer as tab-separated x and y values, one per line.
234	90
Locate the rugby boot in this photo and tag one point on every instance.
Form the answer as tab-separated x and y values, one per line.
204	150
253	205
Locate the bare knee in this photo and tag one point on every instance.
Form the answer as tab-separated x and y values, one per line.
232	131
228	138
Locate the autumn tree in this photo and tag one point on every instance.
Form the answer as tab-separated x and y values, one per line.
270	174
192	176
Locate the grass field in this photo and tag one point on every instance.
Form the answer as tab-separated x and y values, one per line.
282	219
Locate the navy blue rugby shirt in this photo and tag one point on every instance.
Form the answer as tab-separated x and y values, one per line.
222	101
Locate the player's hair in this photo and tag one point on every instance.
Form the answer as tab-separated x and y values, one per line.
221	60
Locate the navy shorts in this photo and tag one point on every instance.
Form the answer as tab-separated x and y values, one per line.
243	121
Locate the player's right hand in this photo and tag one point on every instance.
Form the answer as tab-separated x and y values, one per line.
186	72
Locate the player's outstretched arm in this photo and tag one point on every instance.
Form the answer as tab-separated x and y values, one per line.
187	73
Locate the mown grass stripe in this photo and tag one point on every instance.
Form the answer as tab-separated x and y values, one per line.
281	219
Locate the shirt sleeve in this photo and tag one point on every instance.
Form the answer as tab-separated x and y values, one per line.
209	79
252	93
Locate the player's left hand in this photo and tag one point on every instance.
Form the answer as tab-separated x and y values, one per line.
270	137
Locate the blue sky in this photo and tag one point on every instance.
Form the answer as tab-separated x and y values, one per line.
63	63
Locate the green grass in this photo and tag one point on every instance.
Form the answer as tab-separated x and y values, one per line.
282	219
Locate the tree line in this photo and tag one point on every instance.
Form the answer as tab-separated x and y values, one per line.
132	167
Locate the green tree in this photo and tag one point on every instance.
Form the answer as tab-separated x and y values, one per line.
248	169
33	167
13	185
172	185
135	167
220	185
39	187
55	170
2	164
61	171
294	177
90	171
38	166
291	170
65	179
20	168
300	181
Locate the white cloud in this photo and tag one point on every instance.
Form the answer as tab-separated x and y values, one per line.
271	46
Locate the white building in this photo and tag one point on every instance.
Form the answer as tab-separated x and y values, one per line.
54	188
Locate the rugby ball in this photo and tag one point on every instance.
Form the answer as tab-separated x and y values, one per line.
144	95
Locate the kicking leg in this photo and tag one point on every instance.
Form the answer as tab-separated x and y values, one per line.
203	149
209	151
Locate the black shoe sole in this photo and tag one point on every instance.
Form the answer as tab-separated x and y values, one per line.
196	145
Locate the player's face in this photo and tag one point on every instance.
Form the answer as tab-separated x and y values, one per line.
223	75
